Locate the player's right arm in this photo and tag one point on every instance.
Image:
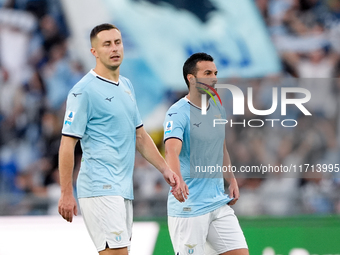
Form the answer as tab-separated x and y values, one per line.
67	206
173	148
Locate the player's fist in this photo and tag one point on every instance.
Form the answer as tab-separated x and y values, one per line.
67	207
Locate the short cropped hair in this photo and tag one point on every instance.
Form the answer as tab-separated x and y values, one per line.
190	67
97	29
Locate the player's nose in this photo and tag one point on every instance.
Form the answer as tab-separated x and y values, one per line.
214	80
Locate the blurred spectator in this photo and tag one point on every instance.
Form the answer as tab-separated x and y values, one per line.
35	77
251	202
262	5
279	195
16	28
317	194
9	105
59	75
150	189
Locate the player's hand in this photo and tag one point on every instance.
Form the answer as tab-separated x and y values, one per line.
233	191
67	207
181	194
179	189
171	178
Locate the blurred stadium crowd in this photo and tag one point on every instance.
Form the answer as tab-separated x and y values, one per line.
37	69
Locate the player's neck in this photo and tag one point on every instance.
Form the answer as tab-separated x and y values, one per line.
196	99
112	75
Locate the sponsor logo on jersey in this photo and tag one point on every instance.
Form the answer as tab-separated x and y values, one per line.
109	99
76	94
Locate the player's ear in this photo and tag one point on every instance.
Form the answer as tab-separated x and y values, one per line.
94	52
192	79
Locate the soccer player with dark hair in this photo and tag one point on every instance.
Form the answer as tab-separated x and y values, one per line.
201	221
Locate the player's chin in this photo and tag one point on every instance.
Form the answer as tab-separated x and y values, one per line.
115	63
202	92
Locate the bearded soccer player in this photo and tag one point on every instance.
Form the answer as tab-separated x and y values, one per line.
201	221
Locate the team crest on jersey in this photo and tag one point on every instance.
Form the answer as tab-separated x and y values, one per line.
168	127
118	237
69	117
190	248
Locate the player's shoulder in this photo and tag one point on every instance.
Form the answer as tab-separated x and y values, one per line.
179	111
180	107
83	84
125	81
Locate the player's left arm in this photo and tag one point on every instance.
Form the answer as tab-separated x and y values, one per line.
229	177
146	146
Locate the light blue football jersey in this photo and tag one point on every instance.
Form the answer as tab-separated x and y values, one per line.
202	146
104	115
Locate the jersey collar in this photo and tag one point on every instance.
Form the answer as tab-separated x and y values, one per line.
186	99
102	78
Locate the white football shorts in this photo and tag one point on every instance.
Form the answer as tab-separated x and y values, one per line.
213	233
108	220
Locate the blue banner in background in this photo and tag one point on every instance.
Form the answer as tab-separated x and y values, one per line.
159	35
165	34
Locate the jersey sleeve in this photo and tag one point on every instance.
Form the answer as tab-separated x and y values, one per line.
138	119
76	114
174	125
139	122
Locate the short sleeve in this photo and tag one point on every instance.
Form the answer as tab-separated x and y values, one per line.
76	114
139	122
138	119
174	125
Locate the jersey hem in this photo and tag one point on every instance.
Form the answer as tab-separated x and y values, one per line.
72	135
174	137
105	195
210	209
